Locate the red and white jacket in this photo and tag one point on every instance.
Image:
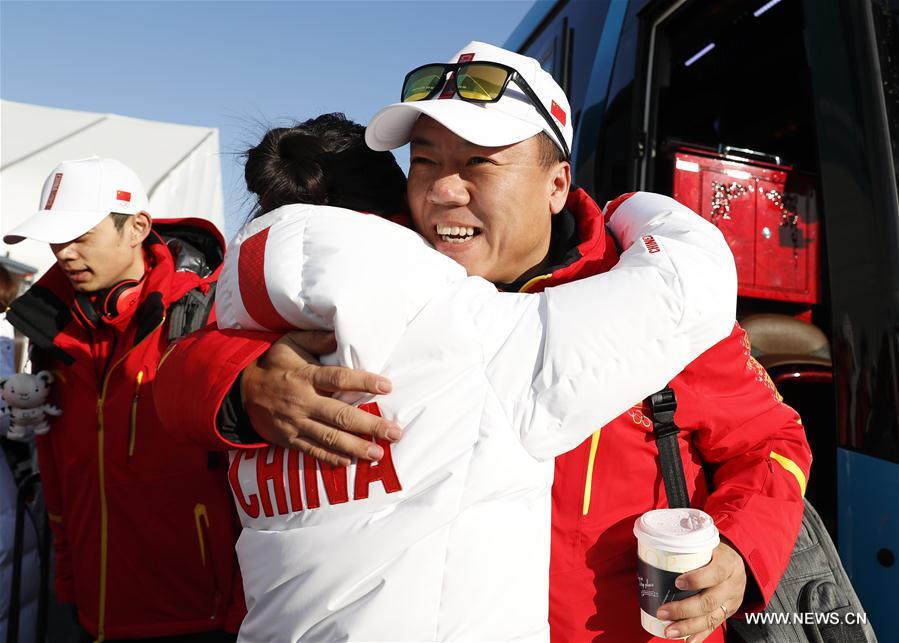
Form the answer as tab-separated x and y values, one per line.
489	387
143	527
735	432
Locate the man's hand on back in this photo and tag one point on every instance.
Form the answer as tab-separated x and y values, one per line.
287	396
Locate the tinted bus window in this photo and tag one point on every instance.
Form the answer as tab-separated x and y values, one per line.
566	47
616	152
886	25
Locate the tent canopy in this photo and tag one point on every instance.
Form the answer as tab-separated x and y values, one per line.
178	164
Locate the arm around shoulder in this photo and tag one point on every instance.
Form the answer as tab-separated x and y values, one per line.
700	260
612	339
195	375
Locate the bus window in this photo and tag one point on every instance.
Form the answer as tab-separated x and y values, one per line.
616	151
548	57
566	48
549	48
886	27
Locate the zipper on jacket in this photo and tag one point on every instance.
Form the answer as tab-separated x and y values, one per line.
132	432
201	519
588	485
104	511
101	615
165	356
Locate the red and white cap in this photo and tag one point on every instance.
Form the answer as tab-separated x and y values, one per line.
511	119
77	196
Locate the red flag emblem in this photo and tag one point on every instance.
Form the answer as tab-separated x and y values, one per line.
121	195
558	112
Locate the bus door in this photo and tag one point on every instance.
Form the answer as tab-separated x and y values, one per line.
728	119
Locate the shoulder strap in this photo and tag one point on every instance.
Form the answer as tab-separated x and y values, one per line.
191	312
662	406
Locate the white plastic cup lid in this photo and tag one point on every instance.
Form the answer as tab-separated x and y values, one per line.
680	531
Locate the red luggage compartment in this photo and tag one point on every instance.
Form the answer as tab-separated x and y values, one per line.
767	214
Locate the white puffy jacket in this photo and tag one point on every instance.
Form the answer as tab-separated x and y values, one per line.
448	537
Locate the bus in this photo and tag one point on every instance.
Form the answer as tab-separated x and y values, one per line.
778	120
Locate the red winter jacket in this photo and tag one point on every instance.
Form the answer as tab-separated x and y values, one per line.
731	416
733	425
143	524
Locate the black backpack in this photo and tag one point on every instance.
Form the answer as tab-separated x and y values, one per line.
194	251
191	312
814	583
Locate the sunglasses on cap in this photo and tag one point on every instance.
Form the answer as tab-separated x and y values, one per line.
475	82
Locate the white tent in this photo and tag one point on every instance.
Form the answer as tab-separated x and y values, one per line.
178	164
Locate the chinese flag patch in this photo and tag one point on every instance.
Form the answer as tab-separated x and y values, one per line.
53	190
121	195
558	112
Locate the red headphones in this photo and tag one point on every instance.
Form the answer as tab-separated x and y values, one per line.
94	310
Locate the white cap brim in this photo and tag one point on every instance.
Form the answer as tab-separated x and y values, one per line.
391	127
54	226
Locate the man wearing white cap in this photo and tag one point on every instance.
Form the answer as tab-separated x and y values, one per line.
141	519
490	186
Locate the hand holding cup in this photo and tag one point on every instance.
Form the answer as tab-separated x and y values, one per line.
721	585
669	543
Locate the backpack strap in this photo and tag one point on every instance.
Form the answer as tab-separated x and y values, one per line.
191	312
662	406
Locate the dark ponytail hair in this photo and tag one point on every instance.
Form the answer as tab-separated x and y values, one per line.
324	161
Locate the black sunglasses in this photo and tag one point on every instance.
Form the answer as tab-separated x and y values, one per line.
475	82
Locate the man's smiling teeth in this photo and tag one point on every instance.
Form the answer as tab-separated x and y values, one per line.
455	234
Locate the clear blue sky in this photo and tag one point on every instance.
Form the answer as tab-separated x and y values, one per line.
233	65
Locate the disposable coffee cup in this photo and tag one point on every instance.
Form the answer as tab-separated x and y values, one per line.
669	543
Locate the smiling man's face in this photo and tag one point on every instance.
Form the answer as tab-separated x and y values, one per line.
488	208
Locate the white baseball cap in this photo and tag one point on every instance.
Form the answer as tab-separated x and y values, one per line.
511	119
77	196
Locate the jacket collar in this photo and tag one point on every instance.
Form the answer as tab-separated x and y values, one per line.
580	246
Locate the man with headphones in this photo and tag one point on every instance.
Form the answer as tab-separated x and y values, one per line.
142	520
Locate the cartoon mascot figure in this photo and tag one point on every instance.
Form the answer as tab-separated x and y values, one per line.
25	395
